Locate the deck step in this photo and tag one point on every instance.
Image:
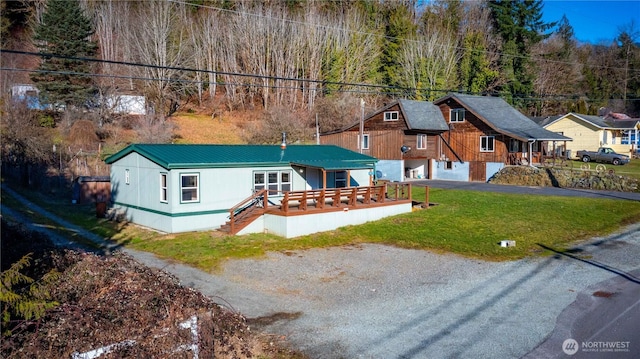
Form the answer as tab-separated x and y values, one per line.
242	220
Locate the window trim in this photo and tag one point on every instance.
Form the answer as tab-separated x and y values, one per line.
457	118
164	187
364	142
388	116
197	187
421	144
279	183
490	140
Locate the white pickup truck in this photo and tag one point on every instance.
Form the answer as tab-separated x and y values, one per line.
604	154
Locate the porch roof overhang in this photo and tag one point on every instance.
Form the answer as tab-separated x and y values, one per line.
334	165
535	134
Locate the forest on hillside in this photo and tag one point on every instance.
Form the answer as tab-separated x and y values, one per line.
295	62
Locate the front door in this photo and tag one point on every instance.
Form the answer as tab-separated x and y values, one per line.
477	171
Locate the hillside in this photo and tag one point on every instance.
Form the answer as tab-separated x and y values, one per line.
202	128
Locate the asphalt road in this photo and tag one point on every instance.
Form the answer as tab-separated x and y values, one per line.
546	191
374	301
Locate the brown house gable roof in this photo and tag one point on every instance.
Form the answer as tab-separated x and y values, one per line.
503	118
418	116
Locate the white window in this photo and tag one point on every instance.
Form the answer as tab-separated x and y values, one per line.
189	187
421	142
456	115
391	116
127	178
487	143
274	181
285	181
365	141
163	188
258	181
341	179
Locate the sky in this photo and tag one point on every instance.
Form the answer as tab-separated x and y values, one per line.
594	20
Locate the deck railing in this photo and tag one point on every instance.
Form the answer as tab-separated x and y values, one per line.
344	197
257	200
318	199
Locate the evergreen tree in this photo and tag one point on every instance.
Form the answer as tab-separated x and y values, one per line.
476	74
399	26
519	23
65	32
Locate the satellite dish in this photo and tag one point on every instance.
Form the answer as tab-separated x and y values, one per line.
405	149
378	174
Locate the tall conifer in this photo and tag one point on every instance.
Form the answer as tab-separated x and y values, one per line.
65	32
519	23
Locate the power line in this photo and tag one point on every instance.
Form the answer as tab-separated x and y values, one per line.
457	48
381	89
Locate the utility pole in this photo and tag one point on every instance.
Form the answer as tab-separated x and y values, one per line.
317	131
361	139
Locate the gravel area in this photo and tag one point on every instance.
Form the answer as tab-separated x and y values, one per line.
375	301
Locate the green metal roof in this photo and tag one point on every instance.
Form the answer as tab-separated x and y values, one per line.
172	156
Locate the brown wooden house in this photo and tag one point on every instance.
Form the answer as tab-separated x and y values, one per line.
486	133
403	136
457	137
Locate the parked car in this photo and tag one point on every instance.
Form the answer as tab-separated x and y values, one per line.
604	154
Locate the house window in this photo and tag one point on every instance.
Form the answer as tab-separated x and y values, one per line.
163	188
341	179
258	181
391	116
487	143
285	181
421	142
274	181
189	187
514	145
457	115
448	165
365	141
127	178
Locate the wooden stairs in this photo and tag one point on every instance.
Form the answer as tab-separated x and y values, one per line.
244	213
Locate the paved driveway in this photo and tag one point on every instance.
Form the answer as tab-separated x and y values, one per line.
546	191
374	301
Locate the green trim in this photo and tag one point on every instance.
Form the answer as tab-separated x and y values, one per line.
182	214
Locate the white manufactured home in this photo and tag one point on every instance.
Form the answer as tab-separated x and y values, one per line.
286	190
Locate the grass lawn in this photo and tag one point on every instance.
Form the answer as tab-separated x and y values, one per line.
467	223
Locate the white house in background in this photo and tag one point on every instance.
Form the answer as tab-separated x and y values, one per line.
121	104
249	188
127	104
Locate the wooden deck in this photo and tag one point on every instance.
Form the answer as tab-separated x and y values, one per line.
297	203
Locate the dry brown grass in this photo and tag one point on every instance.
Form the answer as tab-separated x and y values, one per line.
201	128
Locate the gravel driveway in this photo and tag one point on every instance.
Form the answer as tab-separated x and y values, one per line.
375	301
